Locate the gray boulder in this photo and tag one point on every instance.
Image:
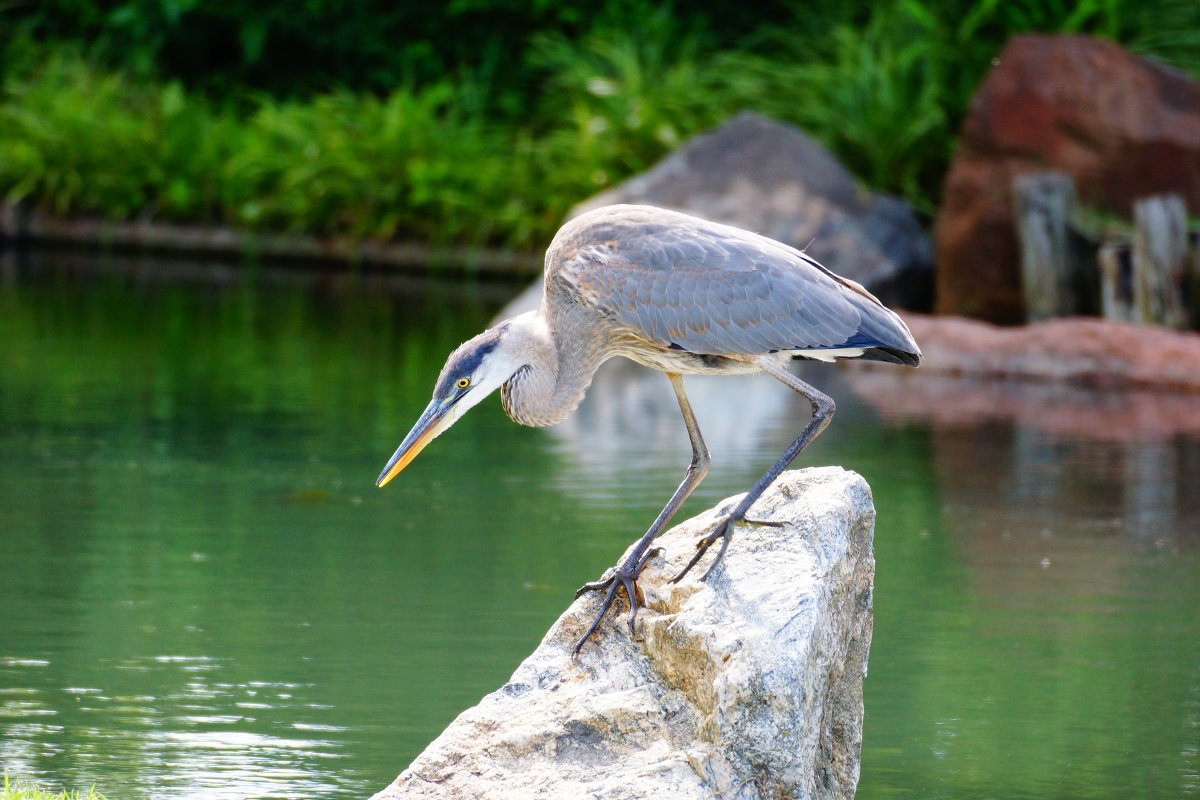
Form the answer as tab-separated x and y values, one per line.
747	686
771	178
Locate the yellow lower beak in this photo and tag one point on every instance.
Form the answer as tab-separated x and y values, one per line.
425	431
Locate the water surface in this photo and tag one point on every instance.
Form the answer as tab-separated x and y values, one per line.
202	595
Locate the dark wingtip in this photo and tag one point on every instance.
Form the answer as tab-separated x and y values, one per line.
892	355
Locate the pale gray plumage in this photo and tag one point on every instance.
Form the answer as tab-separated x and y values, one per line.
678	294
684	283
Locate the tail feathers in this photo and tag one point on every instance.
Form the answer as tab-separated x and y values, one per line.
892	356
886	337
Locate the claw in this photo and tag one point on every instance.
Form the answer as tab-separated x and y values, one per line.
724	532
651	553
622	577
597	586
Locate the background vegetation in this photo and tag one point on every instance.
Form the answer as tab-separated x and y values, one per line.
483	121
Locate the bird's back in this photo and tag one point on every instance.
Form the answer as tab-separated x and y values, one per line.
683	283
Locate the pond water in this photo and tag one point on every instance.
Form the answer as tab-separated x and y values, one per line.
202	595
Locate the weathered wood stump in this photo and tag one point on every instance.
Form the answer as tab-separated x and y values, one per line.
1160	257
1151	277
1116	281
1043	203
1193	282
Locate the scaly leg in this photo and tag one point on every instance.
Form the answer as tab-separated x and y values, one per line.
823	408
625	575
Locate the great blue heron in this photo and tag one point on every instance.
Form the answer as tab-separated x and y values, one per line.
678	294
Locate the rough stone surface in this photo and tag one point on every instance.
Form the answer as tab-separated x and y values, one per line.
771	178
1122	127
747	686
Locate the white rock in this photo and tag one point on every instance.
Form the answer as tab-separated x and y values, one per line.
746	686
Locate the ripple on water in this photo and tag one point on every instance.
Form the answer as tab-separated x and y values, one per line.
224	765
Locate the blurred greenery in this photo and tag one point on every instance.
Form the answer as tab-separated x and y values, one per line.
297	49
483	121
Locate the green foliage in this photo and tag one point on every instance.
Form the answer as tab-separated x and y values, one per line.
629	95
1168	30
488	129
76	139
291	49
366	166
19	791
876	95
419	163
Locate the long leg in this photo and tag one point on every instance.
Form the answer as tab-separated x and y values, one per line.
625	575
823	408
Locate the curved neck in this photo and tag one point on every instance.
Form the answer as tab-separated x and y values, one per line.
561	357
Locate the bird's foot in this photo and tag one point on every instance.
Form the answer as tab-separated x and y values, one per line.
623	576
724	532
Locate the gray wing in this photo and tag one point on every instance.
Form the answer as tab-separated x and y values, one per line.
685	283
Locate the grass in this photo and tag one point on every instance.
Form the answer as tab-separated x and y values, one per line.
625	97
878	95
419	163
463	159
76	139
416	163
20	791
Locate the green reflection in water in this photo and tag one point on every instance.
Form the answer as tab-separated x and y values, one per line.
205	596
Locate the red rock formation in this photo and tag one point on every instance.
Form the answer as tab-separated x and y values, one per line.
1122	127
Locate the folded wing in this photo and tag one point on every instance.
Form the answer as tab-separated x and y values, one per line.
685	283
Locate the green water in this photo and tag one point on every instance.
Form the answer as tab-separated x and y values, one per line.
202	595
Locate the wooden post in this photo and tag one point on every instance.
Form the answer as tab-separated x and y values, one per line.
1043	203
1116	281
1159	260
1193	285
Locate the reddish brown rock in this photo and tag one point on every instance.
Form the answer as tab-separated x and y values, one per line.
1122	127
1060	409
1080	350
1076	377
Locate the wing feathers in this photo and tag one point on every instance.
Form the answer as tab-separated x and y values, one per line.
707	288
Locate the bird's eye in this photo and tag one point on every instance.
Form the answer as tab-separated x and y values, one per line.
464	383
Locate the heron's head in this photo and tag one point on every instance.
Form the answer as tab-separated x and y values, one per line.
476	369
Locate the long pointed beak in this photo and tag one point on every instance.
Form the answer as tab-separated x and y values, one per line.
432	422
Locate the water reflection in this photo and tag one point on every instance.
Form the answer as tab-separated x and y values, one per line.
630	413
1009	455
203	596
1053	407
184	742
1120	459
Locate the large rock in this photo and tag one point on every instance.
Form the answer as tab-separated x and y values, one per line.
1093	352
1122	127
747	686
771	178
